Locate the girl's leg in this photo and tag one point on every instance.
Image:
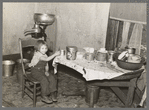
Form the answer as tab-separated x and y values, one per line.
53	86
45	90
44	83
53	82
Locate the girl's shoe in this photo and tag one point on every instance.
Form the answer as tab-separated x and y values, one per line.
138	106
53	96
46	100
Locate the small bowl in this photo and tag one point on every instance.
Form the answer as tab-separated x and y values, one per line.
130	65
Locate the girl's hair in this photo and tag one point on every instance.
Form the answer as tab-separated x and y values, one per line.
39	43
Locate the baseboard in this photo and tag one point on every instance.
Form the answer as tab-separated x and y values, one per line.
13	57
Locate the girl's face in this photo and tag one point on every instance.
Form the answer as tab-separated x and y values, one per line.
43	49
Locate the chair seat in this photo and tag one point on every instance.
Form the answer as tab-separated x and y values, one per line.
30	78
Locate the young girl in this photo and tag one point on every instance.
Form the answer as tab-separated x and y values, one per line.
40	71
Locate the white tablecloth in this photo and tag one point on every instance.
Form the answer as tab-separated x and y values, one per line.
91	70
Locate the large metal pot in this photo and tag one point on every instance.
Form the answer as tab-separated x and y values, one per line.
129	65
44	19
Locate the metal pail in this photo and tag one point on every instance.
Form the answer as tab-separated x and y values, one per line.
92	94
8	68
19	69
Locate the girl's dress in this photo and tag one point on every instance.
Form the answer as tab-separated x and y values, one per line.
48	83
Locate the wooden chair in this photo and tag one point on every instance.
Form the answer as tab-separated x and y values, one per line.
30	86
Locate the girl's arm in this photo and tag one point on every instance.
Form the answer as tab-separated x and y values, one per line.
34	61
50	57
47	70
47	67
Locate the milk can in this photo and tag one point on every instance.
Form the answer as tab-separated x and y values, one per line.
71	52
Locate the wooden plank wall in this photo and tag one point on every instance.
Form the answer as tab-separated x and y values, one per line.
122	33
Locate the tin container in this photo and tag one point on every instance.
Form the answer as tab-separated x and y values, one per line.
101	55
89	56
71	52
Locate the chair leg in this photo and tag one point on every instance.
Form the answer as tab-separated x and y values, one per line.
23	87
34	96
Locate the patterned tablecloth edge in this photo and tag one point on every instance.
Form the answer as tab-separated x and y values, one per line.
89	74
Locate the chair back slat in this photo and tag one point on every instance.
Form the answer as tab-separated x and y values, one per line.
21	54
25	42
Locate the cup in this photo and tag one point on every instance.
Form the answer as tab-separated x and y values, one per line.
131	50
89	56
80	55
110	56
62	52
